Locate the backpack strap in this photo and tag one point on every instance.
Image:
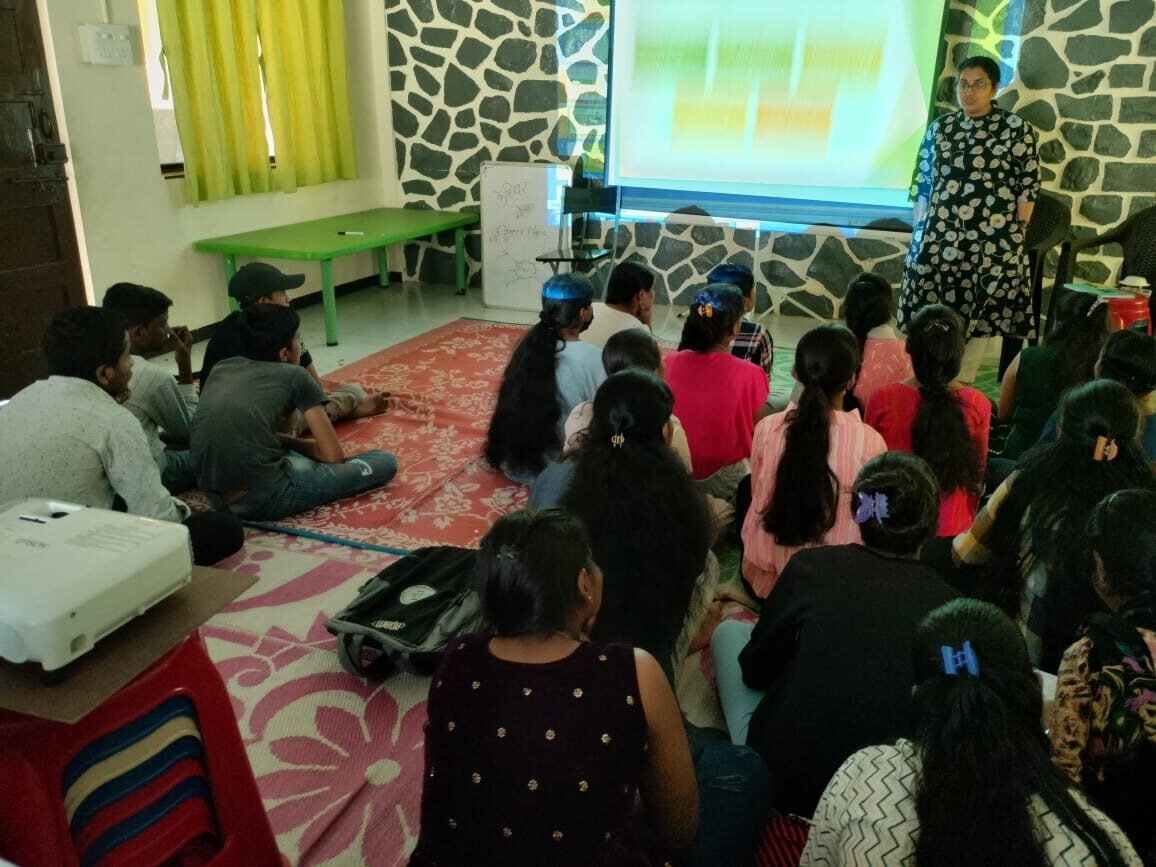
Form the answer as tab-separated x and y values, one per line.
349	652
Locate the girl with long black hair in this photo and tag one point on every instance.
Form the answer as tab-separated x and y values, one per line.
717	397
1039	376
549	373
649	525
869	311
933	415
1030	536
804	461
974	784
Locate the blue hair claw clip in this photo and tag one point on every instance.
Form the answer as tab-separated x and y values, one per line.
955	661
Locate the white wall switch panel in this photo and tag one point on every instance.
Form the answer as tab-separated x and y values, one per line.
106	44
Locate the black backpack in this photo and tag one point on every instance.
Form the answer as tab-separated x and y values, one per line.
405	615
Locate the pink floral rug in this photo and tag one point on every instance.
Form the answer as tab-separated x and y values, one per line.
338	761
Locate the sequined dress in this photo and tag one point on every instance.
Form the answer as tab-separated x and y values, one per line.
532	763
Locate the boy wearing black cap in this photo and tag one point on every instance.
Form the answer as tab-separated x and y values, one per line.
261	283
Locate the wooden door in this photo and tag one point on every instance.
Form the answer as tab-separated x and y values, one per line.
39	262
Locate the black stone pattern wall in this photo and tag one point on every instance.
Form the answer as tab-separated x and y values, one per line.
526	80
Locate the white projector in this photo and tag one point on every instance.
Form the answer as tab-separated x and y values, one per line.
71	575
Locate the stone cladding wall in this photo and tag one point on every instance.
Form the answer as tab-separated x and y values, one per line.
526	80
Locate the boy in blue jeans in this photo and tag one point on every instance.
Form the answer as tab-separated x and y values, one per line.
246	462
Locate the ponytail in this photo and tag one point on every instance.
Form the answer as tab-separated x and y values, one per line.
940	434
713	313
524	427
805	500
867	304
978	718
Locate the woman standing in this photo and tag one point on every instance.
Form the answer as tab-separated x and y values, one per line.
978	182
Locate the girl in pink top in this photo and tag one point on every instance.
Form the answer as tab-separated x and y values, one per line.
717	397
934	416
869	311
805	461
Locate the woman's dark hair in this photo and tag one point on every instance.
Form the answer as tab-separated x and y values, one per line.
713	313
912	497
627	280
633	347
806	495
266	329
735	275
137	305
1129	357
971	728
78	340
988	65
1122	530
648	523
528	569
524	426
940	434
868	304
1045	515
1081	328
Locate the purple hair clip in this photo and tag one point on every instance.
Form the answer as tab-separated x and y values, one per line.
871	506
955	661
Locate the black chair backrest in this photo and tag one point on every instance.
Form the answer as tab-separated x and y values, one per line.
1139	245
1051	221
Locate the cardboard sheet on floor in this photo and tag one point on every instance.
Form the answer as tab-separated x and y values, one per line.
121	656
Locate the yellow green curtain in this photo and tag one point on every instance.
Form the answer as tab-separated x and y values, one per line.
210	49
216	52
303	58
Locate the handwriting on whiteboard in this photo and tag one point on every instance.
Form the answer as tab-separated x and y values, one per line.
510	193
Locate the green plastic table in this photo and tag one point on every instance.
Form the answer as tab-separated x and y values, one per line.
325	239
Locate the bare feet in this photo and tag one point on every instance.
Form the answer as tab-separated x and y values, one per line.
374	404
714	616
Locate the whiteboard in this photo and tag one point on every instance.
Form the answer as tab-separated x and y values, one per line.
521	209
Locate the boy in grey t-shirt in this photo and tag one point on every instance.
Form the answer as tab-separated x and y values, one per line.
245	461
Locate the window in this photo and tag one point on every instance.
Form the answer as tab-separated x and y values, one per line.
161	96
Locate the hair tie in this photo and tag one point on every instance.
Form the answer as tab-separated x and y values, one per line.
617	440
872	506
706	310
1105	449
955	661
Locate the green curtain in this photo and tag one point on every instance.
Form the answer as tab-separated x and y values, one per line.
210	49
216	52
303	57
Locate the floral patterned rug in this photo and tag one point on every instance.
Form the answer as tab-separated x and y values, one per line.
444	383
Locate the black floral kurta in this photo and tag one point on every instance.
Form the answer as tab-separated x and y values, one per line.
968	252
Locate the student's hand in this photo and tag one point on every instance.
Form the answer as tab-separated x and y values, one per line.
122	396
180	340
180	343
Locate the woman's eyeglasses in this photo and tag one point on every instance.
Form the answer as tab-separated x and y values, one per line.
975	85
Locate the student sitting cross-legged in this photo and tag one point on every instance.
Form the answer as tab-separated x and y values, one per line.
163	405
69	438
245	461
827	669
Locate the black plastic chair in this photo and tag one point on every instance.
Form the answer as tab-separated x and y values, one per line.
585	253
1136	235
1050	225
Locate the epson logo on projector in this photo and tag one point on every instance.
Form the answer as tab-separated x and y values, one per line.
389	625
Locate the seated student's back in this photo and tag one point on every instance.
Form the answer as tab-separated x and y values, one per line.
717	397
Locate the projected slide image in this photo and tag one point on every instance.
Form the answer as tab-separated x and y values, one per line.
761	97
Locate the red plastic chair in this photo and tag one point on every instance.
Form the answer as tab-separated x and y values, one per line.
157	774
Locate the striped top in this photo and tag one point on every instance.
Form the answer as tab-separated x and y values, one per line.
867	817
852	444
